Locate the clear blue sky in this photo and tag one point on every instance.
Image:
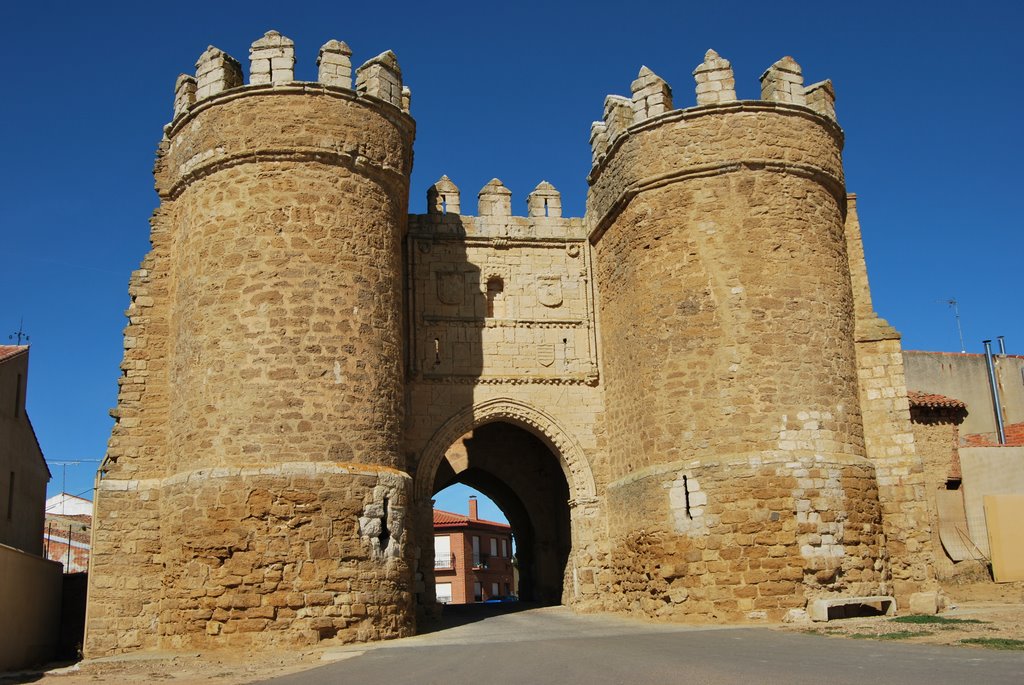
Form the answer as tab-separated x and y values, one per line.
929	95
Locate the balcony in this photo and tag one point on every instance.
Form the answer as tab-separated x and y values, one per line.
444	562
481	561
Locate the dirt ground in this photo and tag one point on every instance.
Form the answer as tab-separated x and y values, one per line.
982	610
986	615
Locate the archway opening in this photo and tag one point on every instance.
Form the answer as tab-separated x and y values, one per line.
524	478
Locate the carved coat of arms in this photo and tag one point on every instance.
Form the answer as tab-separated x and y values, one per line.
546	354
549	290
451	287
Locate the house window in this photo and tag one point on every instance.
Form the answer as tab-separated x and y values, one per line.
443	592
443	557
494	589
478	592
494	547
477	562
504	548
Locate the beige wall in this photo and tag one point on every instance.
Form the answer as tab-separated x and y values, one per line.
1003	513
964	377
988	471
30	597
20	455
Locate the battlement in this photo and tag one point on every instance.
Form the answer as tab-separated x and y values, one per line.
651	97
272	64
494	217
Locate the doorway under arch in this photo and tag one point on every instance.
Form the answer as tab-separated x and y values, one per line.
536	472
520	474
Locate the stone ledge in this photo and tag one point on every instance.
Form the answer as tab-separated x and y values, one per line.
818	609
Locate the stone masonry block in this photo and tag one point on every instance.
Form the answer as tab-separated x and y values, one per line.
715	81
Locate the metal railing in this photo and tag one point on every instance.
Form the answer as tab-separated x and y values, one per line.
444	561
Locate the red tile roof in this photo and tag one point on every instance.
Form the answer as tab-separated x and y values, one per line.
448	519
933	400
7	351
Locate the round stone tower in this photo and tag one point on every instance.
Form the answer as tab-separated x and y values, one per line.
735	440
284	493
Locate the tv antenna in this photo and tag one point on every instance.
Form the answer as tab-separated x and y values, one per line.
64	469
20	333
956	313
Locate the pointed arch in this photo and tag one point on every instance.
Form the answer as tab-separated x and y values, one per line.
569	452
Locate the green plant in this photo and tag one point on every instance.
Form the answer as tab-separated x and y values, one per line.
898	635
995	642
918	619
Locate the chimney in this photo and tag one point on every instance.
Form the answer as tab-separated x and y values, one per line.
472	508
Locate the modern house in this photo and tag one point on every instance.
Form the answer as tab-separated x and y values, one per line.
472	557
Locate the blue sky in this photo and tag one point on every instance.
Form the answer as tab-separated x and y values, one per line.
930	99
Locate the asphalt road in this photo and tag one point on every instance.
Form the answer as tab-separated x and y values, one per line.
498	645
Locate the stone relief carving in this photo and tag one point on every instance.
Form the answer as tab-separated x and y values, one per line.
451	287
549	290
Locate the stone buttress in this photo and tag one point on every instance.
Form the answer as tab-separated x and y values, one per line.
255	492
739	484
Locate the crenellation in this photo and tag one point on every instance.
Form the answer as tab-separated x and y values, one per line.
381	78
443	197
821	97
715	80
335	64
184	93
598	141
731	424
272	59
618	116
494	199
651	95
783	82
216	71
544	201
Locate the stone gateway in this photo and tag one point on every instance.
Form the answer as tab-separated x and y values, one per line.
684	401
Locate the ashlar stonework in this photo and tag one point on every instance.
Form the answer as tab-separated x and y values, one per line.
683	400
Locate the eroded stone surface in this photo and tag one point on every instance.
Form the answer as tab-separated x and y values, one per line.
699	355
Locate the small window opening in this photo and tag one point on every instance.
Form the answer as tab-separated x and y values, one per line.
444	204
546	207
385	533
437	351
495	297
686	490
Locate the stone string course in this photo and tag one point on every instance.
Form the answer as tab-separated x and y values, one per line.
698	358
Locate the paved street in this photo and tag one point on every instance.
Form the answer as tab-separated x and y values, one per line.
495	645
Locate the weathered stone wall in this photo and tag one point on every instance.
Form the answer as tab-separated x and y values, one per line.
276	331
125	567
698	358
888	436
737	261
742	538
726	331
288	554
937	439
503	329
